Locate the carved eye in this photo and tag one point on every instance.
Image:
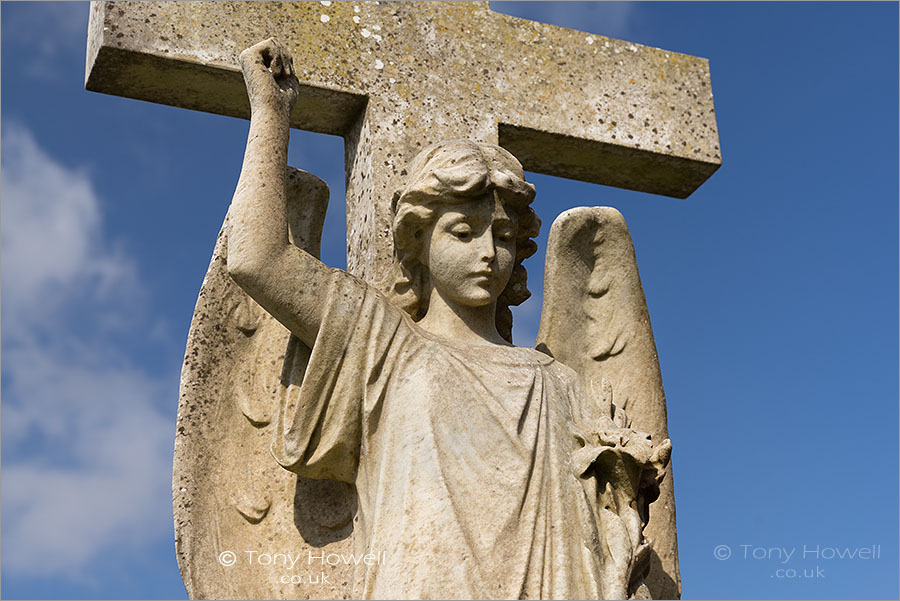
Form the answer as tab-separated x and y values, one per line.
462	232
505	235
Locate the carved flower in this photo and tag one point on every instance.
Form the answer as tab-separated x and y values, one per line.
614	452
621	469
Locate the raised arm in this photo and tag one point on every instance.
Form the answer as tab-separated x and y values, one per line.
285	280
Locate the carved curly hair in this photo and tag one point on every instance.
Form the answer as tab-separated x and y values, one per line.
450	172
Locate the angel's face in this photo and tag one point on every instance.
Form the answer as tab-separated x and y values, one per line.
470	250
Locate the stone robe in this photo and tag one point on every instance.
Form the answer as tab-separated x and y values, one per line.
460	453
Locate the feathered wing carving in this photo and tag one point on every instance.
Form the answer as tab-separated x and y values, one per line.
229	494
595	320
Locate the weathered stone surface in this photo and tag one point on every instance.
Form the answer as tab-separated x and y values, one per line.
393	77
482	470
595	320
229	495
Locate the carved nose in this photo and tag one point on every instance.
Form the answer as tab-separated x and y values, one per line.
488	252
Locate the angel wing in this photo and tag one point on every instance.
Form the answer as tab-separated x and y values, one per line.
595	320
235	507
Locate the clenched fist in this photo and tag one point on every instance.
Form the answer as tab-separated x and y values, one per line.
269	74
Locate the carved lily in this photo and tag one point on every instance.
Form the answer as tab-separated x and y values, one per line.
621	469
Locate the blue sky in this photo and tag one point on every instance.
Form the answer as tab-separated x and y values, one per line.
772	291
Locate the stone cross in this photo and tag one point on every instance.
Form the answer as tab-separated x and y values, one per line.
393	77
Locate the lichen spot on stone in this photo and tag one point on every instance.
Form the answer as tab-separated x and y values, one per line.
325	18
589	40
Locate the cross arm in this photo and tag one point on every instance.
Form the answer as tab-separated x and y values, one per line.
604	163
123	62
565	102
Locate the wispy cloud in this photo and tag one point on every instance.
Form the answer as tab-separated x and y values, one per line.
67	22
52	248
87	454
610	19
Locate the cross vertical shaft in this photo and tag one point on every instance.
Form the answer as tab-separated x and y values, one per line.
393	77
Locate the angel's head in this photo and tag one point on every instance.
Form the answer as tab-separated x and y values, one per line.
463	224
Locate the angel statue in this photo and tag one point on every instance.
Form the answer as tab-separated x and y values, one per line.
422	455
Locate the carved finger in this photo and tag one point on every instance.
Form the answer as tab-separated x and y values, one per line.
276	67
662	453
289	63
273	46
244	58
254	55
263	50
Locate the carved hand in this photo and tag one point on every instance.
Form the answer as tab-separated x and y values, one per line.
621	469
269	74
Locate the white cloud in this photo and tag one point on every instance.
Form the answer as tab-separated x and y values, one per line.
616	19
68	22
87	454
51	246
62	28
98	477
